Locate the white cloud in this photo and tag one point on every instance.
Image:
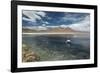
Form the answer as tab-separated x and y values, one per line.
83	25
43	14
41	28
46	22
71	17
63	26
26	19
34	15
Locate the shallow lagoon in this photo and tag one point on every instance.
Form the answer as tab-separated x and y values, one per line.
55	47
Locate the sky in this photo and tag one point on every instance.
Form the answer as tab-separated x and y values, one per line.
80	21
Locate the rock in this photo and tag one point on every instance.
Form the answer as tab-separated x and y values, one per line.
29	55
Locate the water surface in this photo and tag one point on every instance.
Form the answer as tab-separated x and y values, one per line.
56	47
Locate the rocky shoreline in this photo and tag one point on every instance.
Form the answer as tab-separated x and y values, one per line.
28	55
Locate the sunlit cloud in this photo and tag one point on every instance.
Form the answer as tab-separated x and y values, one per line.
34	15
83	25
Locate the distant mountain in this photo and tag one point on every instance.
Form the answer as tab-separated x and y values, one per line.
49	30
67	30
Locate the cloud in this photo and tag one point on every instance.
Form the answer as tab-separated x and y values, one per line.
72	17
45	22
27	19
33	15
83	25
43	14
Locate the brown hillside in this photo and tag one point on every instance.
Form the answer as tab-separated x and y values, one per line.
62	30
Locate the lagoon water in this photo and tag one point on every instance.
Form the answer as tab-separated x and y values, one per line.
56	47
